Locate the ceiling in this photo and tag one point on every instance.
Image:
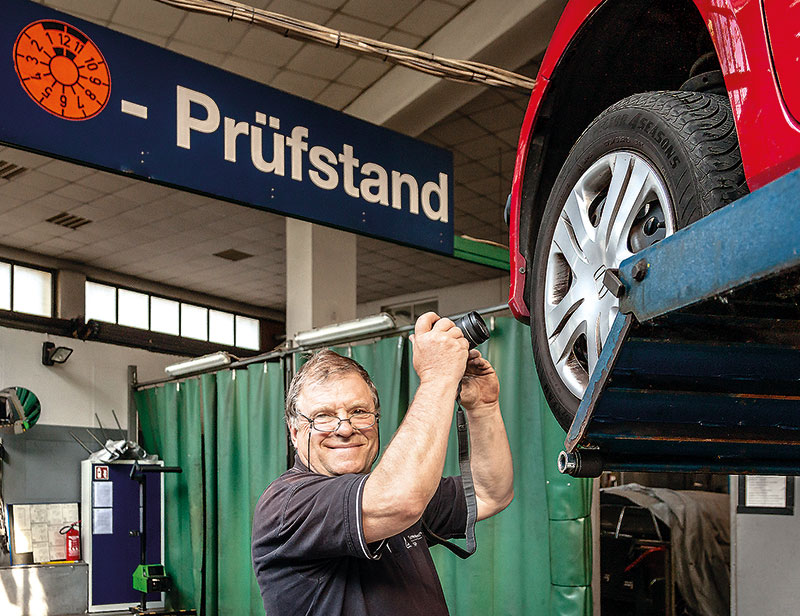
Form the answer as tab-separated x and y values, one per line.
159	235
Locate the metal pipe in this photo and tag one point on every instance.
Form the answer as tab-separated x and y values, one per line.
119	427
89	451
102	430
590	463
100	443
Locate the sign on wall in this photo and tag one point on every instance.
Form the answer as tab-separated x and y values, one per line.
88	94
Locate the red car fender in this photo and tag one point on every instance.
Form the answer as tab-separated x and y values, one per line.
516	301
769	137
575	14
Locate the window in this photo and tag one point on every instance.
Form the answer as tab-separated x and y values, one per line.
247	333
26	289
167	316
5	286
132	308
194	322
101	302
221	327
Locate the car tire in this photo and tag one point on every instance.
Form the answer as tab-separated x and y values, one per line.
664	160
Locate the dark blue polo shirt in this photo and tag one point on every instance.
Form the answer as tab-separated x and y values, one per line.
310	556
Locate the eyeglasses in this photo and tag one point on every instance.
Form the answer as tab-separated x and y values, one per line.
359	420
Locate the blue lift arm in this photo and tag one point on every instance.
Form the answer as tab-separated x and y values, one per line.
701	369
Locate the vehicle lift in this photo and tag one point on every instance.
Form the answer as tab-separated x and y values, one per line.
701	369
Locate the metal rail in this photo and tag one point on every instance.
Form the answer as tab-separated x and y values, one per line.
281	353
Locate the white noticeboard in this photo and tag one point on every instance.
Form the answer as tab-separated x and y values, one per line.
766	495
35	529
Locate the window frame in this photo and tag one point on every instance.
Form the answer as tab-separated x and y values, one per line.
208	308
47	270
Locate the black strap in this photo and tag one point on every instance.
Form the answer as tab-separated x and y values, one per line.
462	429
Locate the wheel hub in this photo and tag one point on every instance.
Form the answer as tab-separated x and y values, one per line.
618	207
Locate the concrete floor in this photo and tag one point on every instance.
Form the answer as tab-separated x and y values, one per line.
126	613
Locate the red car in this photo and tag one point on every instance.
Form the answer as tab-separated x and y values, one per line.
646	116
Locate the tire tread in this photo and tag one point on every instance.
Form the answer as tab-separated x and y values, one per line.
705	121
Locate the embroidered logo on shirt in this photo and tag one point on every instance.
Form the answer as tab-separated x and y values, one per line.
412	540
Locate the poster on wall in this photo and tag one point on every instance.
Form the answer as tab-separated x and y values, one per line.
766	495
35	531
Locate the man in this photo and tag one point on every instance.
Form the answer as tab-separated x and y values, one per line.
331	536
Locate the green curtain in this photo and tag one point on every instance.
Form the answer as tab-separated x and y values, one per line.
569	503
250	453
165	413
529	560
533	558
227	430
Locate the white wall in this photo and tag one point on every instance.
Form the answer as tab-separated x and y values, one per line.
764	559
452	300
93	380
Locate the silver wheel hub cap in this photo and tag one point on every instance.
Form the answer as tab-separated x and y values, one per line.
618	207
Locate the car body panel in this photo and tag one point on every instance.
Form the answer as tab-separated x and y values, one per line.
783	29
769	136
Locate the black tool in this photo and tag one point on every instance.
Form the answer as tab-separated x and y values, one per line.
473	327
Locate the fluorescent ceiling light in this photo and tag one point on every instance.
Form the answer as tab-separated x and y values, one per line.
350	329
198	364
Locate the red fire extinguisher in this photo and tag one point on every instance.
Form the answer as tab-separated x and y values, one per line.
73	540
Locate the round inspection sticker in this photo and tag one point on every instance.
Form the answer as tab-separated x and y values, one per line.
62	70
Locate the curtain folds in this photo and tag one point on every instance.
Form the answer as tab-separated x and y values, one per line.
226	431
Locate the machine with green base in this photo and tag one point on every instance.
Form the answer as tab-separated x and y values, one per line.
151	578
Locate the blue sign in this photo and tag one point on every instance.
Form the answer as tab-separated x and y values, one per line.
85	93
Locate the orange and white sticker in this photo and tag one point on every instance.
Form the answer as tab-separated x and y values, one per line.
62	70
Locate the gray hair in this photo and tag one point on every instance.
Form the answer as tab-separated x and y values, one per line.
319	368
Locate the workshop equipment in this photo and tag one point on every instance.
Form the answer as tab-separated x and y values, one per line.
701	369
110	510
150	578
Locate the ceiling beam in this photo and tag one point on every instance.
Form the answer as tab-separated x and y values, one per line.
497	32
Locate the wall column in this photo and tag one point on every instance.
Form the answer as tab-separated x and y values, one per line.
320	276
70	294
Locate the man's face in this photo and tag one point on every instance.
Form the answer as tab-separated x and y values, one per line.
344	450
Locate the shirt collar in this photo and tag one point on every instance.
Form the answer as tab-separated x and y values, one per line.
298	464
